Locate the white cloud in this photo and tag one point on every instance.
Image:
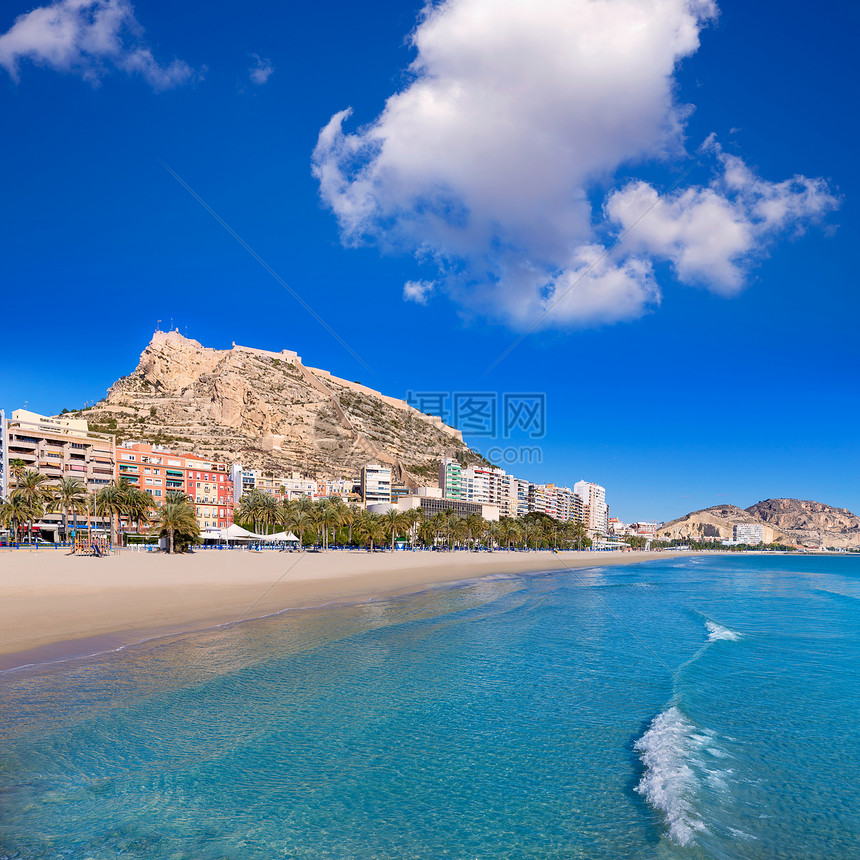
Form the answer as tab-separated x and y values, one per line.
84	36
516	115
261	71
711	235
418	291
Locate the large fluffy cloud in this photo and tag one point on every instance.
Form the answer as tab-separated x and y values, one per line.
515	115
85	36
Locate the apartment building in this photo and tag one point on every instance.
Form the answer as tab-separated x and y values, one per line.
451	479
157	470
375	484
595	511
283	488
432	505
342	487
752	533
475	485
58	448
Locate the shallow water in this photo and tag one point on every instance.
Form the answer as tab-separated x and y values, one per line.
702	707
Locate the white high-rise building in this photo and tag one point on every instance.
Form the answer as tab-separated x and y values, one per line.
595	511
375	484
564	503
475	485
749	533
519	497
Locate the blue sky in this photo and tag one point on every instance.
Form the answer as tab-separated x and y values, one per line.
692	371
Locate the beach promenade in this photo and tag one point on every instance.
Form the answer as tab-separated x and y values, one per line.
54	605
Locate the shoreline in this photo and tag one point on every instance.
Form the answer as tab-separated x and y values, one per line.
56	607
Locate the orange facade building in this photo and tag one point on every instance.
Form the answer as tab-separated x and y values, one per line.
159	471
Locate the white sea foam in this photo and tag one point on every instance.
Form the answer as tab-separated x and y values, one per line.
669	783
717	631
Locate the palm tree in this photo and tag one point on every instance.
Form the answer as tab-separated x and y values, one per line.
69	496
330	514
246	510
474	524
526	531
267	511
579	533
457	524
508	531
373	529
111	501
446	520
300	521
14	512
439	524
352	517
32	488
138	505
394	523
17	467
284	514
491	531
428	532
413	518
177	516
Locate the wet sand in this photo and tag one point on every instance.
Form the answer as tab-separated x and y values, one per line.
55	605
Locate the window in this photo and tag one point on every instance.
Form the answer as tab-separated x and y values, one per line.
124	456
158	481
147	471
149	481
158	492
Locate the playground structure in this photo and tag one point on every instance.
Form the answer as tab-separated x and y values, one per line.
95	545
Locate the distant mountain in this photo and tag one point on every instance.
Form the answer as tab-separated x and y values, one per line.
810	523
270	411
716	522
788	521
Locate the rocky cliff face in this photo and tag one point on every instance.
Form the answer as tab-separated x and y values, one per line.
716	523
268	410
810	523
788	521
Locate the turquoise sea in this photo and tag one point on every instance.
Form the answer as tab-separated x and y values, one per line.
704	707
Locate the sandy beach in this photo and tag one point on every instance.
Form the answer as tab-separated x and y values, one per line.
54	605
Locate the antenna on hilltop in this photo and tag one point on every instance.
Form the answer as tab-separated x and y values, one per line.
158	326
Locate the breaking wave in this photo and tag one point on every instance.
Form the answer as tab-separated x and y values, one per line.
717	631
679	759
669	783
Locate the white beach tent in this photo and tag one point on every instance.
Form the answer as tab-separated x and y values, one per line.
284	537
235	532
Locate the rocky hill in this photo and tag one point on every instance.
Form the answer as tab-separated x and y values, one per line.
716	523
788	521
810	523
270	411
